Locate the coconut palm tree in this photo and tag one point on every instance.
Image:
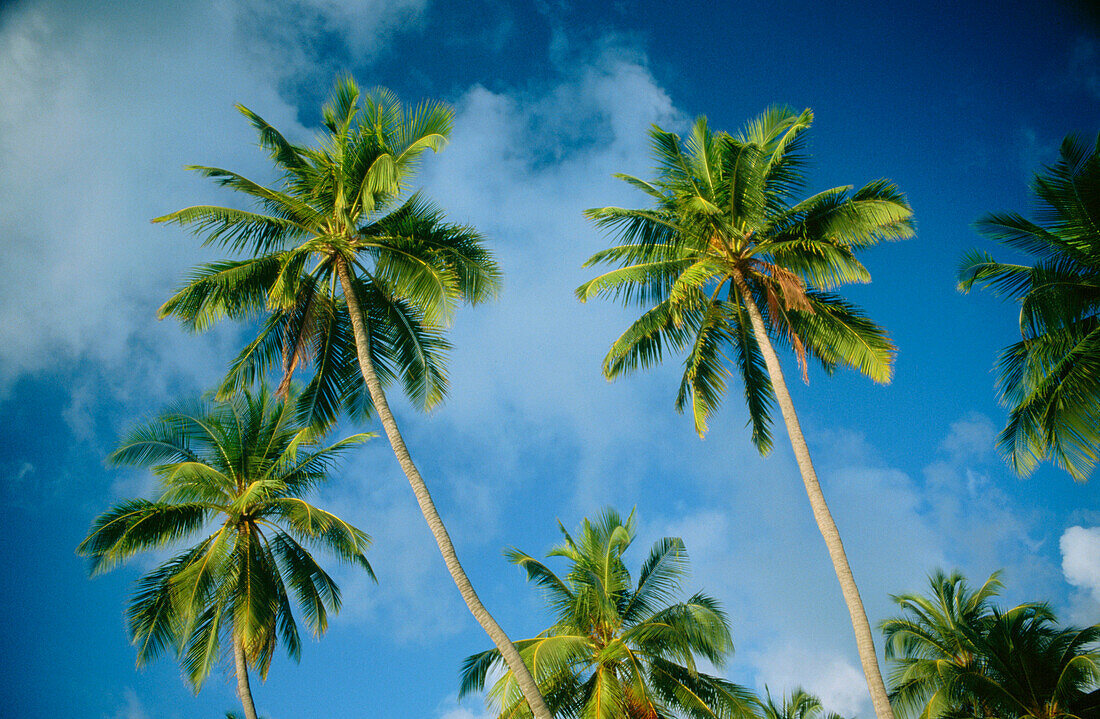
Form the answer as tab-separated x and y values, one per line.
350	270
618	648
934	646
1050	379
799	704
233	475
956	656
729	261
1034	669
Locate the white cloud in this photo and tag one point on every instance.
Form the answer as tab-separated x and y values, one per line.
522	167
93	139
1080	548
301	43
755	546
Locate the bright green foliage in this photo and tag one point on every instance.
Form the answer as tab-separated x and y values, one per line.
727	217
956	656
233	475
799	704
933	645
345	197
1050	379
616	648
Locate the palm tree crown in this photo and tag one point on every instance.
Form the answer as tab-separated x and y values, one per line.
1035	669
233	475
619	648
1050	379
934	643
799	704
956	656
343	203
727	225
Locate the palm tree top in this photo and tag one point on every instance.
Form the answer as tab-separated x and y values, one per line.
232	476
346	201
618	646
798	704
728	220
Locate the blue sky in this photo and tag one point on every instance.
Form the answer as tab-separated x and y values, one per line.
101	105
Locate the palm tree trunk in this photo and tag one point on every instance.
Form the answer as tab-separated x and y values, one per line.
244	691
865	642
503	644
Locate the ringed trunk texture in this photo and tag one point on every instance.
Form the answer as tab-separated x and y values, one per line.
865	642
244	691
503	644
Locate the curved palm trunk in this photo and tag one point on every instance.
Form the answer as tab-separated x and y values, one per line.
503	644
865	642
244	691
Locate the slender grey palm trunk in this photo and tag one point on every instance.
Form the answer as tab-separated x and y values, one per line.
507	650
865	642
244	691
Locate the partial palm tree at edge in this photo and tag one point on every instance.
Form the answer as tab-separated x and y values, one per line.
730	259
1050	379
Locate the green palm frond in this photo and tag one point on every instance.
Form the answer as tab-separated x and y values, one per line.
236	229
136	526
954	655
235	289
1047	379
704	381
643	344
839	334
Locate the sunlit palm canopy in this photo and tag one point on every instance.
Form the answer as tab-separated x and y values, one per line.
932	645
348	195
957	656
618	648
233	475
728	216
1050	379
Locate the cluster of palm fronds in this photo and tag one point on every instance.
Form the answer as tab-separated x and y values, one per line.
1050	379
956	656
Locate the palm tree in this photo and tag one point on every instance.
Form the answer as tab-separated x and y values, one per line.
1034	669
352	272
616	648
799	704
1050	379
727	261
934	646
239	468
957	656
